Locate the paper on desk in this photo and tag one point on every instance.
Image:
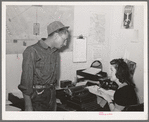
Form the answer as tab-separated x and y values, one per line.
81	83
109	92
92	70
79	76
102	102
97	90
94	89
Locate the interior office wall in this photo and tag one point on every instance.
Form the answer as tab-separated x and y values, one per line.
125	40
13	72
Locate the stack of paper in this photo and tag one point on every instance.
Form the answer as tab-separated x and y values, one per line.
92	70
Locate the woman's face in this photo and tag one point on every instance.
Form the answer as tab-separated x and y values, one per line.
113	72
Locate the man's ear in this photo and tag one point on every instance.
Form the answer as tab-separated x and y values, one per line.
55	35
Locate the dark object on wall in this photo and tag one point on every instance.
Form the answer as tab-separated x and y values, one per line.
80	37
65	83
128	17
15	41
24	43
36	28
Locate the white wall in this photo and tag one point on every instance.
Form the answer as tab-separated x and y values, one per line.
123	40
13	72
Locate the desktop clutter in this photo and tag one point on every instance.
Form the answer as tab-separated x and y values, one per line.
85	95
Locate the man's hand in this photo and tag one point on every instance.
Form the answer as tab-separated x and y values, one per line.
28	103
28	108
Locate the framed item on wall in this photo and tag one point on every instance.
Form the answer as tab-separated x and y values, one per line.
128	17
36	29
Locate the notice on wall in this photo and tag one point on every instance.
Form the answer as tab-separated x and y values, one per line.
97	28
79	50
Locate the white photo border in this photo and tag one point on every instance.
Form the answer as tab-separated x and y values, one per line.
6	115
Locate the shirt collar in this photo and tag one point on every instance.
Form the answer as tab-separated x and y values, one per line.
45	46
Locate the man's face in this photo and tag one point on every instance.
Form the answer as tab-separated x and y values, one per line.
61	40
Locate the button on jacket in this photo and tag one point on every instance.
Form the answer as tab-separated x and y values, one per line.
39	66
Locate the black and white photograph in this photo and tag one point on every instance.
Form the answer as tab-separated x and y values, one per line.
74	61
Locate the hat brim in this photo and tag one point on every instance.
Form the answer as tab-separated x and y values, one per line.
64	27
59	29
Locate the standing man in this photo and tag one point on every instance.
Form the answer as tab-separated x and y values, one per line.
39	69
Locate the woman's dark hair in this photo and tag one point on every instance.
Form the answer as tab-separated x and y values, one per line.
122	71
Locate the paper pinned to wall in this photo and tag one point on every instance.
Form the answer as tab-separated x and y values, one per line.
79	50
97	28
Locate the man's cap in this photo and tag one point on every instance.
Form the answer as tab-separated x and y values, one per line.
54	26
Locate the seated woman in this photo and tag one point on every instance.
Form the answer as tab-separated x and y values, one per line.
125	94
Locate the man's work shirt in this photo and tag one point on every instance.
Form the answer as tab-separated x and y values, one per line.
39	66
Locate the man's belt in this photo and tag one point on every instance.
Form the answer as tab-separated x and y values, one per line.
43	86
